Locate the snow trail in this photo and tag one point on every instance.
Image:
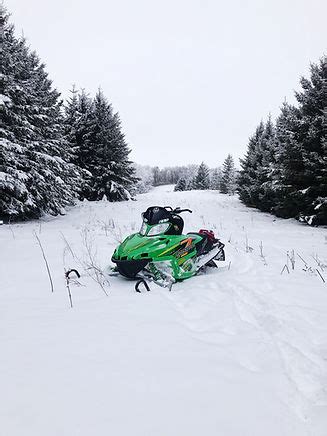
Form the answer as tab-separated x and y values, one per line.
236	351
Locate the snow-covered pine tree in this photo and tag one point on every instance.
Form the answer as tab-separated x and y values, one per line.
228	178
202	179
288	175
181	185
78	127
312	137
215	179
35	173
71	118
263	191
302	152
249	165
255	180
105	154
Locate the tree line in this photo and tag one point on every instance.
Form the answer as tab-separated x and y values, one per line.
189	177
54	153
220	179
284	170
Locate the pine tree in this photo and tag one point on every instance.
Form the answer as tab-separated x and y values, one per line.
249	166
312	137
105	154
181	185
255	181
78	127
36	175
288	177
263	190
302	152
228	179
215	180
285	168
202	180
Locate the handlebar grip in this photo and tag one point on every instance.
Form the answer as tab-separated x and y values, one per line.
177	210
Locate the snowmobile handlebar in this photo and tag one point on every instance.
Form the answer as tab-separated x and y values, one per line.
178	210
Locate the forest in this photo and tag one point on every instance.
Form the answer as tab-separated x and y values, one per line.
54	152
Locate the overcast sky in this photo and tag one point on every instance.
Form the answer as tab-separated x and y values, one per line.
190	79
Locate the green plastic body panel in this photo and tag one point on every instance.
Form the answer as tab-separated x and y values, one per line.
177	251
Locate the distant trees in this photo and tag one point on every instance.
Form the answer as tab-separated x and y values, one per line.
144	174
202	178
285	168
168	175
50	157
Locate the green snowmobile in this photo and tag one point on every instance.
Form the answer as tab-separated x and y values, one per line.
159	252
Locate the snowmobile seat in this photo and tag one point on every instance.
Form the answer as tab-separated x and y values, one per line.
206	243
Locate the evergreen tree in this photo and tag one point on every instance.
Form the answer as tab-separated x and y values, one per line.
255	181
249	166
263	190
228	179
288	177
181	185
313	140
302	152
78	127
71	120
215	180
105	154
285	168
202	180
36	175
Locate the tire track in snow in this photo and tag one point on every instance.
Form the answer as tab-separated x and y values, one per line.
222	311
304	368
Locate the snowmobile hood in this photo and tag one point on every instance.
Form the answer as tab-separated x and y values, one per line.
137	246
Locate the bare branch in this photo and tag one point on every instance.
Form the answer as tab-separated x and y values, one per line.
45	261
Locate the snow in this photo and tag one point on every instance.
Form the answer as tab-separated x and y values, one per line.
4	99
238	351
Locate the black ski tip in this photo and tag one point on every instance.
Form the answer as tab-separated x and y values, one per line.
139	282
67	273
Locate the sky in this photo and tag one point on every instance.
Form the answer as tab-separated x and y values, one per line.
190	79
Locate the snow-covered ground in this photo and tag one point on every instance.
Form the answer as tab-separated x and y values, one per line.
241	351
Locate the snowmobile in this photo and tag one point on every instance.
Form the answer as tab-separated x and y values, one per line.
159	252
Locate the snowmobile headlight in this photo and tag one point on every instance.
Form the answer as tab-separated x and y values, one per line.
158	229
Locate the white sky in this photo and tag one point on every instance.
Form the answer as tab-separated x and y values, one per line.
190	79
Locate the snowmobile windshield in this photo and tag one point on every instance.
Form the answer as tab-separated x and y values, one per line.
156	215
155	230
